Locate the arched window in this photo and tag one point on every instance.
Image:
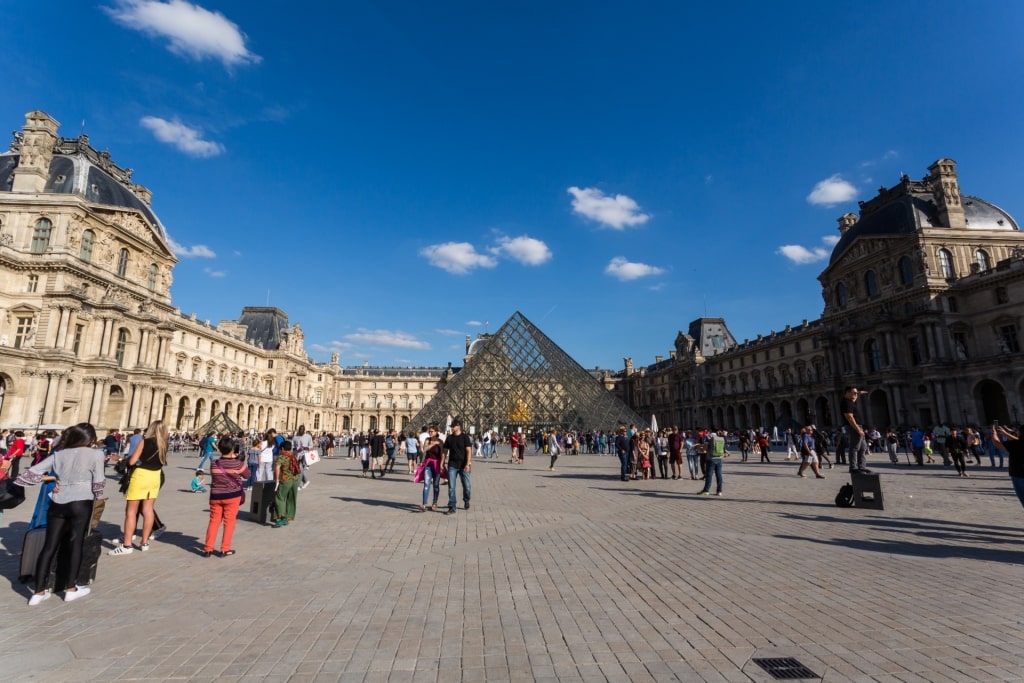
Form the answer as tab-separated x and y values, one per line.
122	263
41	236
874	355
151	280
841	295
88	238
981	258
122	344
871	284
906	270
946	264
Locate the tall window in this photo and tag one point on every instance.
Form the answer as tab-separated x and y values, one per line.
915	350
316	421
41	236
946	264
874	355
122	263
122	344
151	279
33	284
1002	295
960	345
871	284
982	259
1010	342
906	270
88	239
25	333
76	345
841	295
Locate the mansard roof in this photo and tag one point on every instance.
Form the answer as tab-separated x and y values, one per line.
264	326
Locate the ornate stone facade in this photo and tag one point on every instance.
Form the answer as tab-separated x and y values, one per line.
924	302
88	331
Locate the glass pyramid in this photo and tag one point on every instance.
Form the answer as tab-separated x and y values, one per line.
220	424
519	378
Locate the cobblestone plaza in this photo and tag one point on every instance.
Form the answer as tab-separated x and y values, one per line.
572	576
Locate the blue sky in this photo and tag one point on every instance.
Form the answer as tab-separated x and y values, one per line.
395	175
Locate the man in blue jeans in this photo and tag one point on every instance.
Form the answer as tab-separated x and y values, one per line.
716	451
458	454
208	449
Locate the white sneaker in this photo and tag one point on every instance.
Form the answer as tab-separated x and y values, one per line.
122	550
144	547
38	598
156	532
80	592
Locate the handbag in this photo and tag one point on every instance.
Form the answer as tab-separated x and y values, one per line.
11	495
311	457
126	479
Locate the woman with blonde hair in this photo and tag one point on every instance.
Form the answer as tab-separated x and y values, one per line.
145	464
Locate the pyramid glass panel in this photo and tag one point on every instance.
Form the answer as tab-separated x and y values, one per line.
520	378
220	424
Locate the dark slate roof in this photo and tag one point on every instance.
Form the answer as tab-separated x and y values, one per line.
264	326
76	174
908	213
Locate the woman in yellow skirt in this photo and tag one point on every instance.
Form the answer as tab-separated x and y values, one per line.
147	462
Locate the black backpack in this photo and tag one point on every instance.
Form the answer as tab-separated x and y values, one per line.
844	498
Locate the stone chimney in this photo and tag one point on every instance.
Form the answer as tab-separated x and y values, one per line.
946	191
39	136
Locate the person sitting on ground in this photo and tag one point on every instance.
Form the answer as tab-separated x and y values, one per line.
197	483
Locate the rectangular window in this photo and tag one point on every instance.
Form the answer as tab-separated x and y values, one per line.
1002	295
1010	343
346	401
951	304
33	284
782	351
25	334
76	345
915	351
797	347
270	364
318	396
960	345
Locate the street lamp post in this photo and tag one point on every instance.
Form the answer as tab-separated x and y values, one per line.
188	421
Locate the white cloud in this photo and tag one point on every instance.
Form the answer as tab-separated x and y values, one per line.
524	249
214	273
616	212
474	323
191	31
331	346
448	333
457	257
802	255
830	240
831	191
625	270
186	139
197	251
387	338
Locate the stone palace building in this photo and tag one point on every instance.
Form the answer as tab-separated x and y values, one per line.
88	331
924	301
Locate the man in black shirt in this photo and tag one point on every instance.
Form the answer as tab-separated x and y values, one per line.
458	454
1008	440
858	448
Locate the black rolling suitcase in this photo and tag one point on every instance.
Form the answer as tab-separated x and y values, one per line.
261	502
31	546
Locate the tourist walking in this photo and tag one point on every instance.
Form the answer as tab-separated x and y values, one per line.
302	443
622	450
1008	441
458	457
287	475
430	470
956	449
554	449
228	476
78	467
808	455
412	452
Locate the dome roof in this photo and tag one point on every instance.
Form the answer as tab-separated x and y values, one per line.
73	172
907	213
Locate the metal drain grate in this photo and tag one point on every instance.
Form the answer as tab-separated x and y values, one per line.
785	668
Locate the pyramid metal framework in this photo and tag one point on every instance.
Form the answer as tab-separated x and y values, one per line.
220	424
520	378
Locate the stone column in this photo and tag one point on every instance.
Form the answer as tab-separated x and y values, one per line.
62	328
58	399
108	325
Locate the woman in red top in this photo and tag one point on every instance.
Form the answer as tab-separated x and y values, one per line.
226	493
